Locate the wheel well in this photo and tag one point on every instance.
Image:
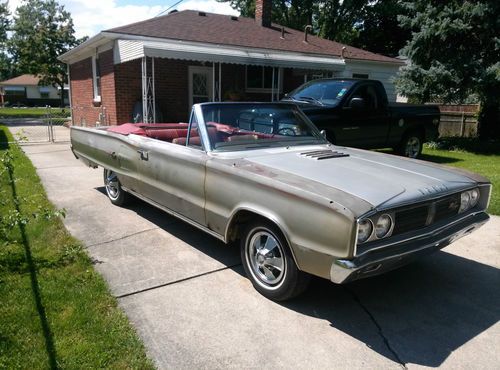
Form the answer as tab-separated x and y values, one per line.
239	219
419	129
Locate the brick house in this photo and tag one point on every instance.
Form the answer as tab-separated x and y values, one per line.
154	70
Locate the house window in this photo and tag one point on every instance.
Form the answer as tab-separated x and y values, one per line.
15	92
260	79
360	75
96	79
44	92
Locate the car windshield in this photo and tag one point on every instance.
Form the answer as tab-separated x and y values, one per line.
323	92
243	126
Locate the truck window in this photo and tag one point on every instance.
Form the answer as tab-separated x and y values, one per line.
369	95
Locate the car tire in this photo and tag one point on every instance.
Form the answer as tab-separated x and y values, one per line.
269	264
114	190
411	145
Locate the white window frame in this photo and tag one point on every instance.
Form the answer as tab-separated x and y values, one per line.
97	97
264	89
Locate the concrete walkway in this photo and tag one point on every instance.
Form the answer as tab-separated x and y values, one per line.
186	294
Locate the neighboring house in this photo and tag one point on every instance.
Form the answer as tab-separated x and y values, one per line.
154	70
24	90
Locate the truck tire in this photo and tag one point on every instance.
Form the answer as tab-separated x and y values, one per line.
114	190
268	262
411	145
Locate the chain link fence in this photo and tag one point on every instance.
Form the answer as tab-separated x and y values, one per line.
53	124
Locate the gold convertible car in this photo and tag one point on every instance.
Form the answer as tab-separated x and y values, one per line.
263	175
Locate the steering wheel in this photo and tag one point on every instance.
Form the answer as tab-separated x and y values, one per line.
286	131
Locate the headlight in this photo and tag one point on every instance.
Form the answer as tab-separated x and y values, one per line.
365	229
383	225
468	199
474	197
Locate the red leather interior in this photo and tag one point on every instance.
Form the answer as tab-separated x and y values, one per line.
127	129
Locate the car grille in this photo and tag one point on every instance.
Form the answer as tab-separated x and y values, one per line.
425	214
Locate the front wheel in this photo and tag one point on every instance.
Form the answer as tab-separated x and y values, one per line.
114	190
269	264
411	145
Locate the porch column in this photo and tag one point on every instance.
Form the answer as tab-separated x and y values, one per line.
216	88
148	91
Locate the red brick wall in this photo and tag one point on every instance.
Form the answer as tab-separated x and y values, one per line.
128	83
82	90
121	88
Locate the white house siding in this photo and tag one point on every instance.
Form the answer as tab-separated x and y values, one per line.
383	72
33	92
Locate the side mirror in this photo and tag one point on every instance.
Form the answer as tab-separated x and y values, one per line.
357	103
323	133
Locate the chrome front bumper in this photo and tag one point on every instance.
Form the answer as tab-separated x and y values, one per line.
384	259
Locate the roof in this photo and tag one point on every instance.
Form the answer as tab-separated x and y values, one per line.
217	29
25	80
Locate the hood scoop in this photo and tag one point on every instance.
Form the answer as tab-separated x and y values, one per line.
323	154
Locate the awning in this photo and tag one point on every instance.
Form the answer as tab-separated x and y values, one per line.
127	50
14	88
44	89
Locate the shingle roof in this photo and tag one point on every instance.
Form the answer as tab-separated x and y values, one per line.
25	80
189	25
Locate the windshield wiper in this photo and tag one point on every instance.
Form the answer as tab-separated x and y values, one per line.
309	99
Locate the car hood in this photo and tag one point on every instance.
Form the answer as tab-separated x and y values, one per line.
382	180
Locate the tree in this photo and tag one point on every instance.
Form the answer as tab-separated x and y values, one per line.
331	19
454	55
42	31
5	63
379	31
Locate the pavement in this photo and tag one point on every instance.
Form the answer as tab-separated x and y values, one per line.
186	294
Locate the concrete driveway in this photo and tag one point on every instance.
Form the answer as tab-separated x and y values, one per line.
186	294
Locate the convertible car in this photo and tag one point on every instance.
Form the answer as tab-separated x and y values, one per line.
262	175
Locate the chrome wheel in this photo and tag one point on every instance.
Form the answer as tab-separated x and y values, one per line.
266	257
412	148
112	184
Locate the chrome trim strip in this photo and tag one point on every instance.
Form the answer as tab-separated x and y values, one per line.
175	214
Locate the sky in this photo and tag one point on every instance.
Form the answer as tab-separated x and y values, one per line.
92	16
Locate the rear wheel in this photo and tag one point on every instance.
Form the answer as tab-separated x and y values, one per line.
114	190
269	264
411	145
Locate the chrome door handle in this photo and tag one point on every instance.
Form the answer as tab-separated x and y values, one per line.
144	154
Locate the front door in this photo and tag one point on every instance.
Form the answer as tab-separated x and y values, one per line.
200	85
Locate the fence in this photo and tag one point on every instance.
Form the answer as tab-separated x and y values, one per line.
52	125
458	120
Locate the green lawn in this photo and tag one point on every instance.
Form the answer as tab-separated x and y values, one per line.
55	310
482	158
31	112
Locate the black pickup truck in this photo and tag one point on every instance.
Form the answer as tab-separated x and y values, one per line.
357	113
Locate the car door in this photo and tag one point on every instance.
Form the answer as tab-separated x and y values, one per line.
173	175
364	126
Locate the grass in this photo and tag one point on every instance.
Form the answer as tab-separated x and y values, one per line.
473	155
55	309
31	112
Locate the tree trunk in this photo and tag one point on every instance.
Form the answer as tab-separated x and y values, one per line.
489	119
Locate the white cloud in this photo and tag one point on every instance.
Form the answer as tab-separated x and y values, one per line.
92	16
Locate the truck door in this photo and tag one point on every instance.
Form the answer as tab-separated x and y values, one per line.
364	118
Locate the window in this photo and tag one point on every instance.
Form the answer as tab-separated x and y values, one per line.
11	91
369	95
193	135
44	92
360	75
96	79
260	78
